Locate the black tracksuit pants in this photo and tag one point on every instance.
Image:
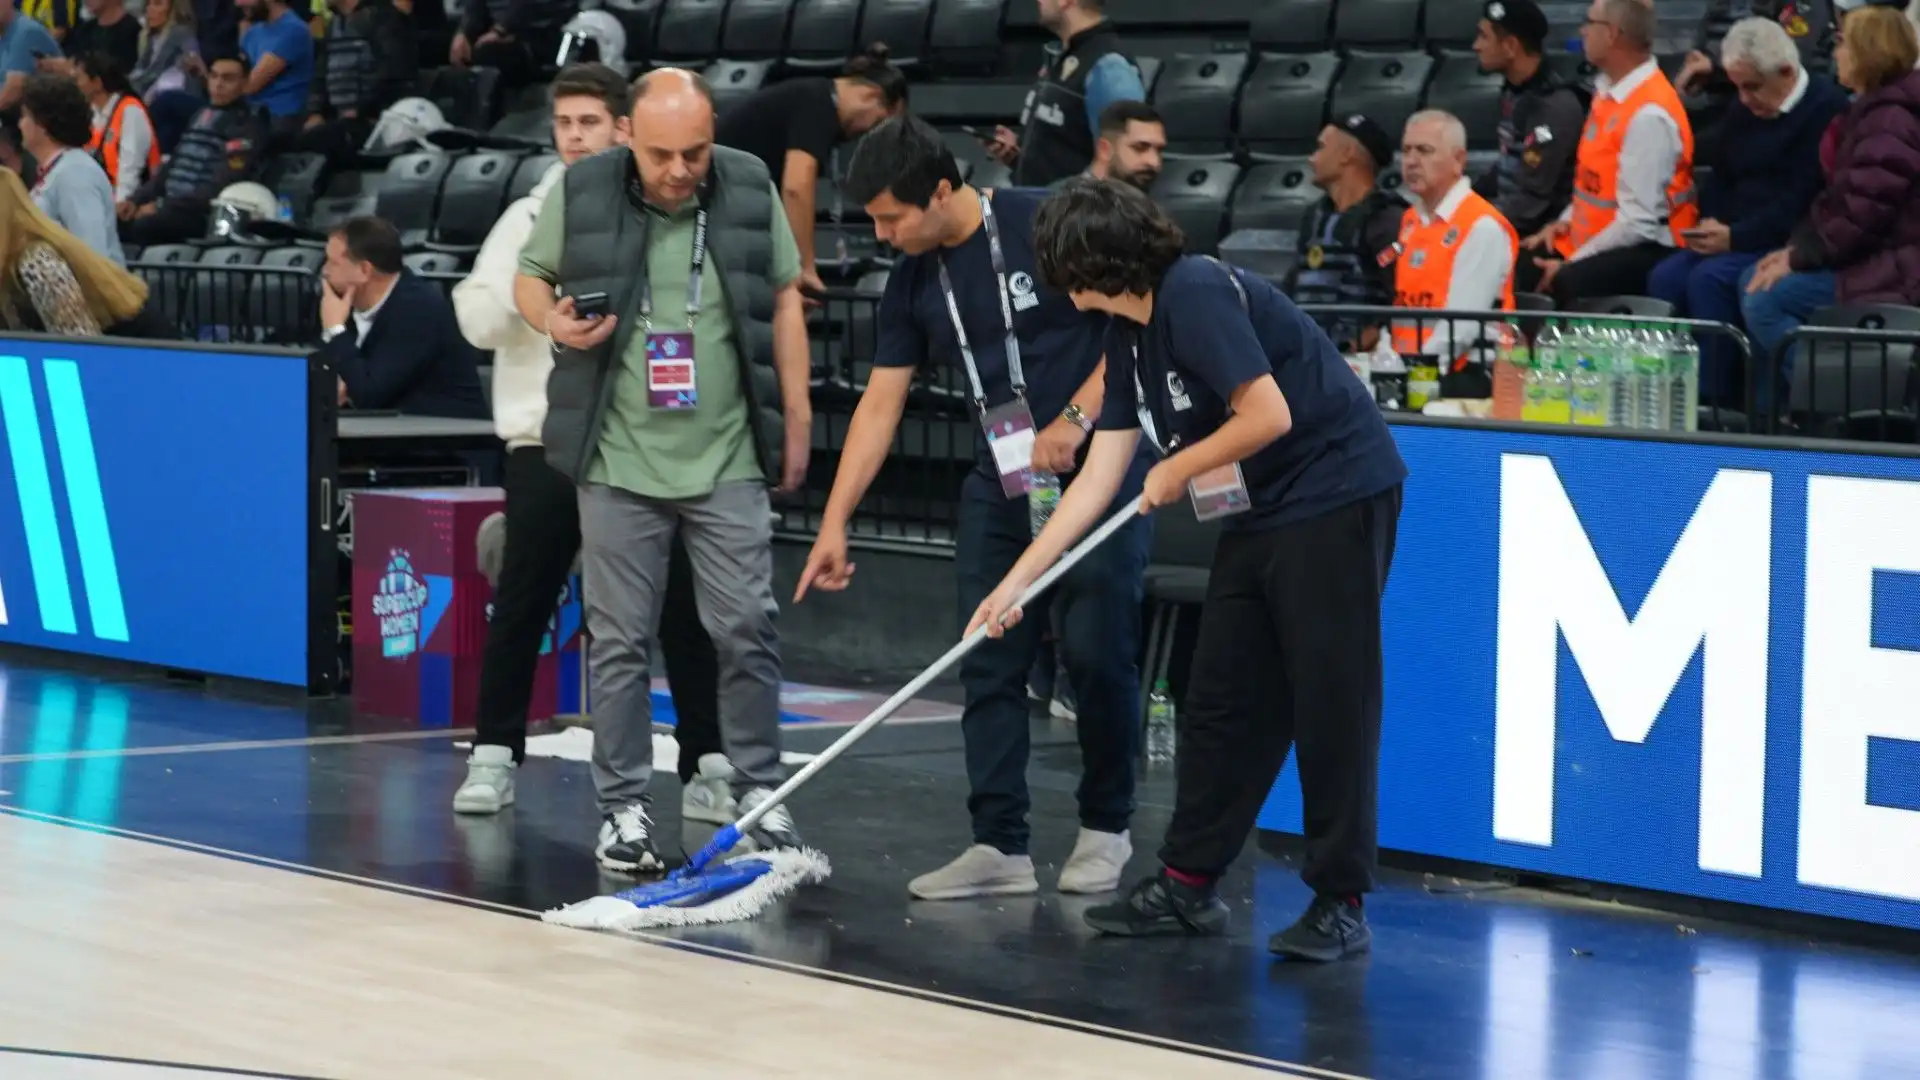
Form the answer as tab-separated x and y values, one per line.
543	536
1288	656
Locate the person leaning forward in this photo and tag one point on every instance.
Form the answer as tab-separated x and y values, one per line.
673	407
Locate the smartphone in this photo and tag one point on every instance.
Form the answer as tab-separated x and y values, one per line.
591	305
983	136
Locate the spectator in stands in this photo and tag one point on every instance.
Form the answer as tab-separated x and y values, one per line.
69	186
1455	252
1085	71
122	140
1860	243
222	147
23	44
391	337
1633	195
51	281
1765	173
112	30
170	75
279	48
794	125
1703	78
674	411
1540	118
965	294
58	16
1133	140
369	59
542	521
516	37
1346	240
1258	421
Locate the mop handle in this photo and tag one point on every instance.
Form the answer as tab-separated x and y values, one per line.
906	693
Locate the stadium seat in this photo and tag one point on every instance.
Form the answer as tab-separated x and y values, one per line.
1453	24
1830	378
529	174
1482	162
638	18
965	37
980	104
473	196
466	97
1294	26
298	177
1284	104
756	29
1275	196
991	174
734	81
689	31
218	307
1269	253
1376	24
1149	68
901	24
1461	88
1394	183
168	254
1195	194
526	125
822	33
967	151
331	210
1571	67
410	195
1195	96
1385	87
433	262
1564	23
283	295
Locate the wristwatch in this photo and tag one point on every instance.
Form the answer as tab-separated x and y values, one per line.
1075	415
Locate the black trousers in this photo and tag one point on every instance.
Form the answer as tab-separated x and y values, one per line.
1288	656
543	536
1620	272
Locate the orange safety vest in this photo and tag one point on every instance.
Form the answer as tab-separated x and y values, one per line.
1423	272
1596	183
105	146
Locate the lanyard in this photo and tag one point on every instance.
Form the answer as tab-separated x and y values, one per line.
1147	426
46	173
1014	370
693	275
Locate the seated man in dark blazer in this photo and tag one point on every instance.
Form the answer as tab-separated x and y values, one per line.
390	336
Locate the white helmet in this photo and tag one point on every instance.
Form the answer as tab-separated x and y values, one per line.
254	200
594	35
405	126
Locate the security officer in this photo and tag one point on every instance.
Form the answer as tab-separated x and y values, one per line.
1085	71
222	147
1346	241
1540	118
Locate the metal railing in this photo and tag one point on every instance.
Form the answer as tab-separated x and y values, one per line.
1846	382
245	303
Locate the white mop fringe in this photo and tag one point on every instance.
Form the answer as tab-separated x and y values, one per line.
792	868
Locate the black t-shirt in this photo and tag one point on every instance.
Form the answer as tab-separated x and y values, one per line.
120	41
1201	345
798	114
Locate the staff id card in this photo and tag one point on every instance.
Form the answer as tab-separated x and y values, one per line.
670	378
1219	492
1009	430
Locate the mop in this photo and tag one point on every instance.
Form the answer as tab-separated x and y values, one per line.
709	889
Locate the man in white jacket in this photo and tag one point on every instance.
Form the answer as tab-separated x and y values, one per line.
542	523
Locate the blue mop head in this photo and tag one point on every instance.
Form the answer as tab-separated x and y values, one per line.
700	893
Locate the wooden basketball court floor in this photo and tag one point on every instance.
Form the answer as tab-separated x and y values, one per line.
194	885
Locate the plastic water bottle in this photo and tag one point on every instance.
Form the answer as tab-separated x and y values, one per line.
1042	498
1682	373
1590	378
1160	744
1622	354
1545	380
286	210
1650	381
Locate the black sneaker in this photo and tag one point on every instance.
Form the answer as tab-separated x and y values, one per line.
626	842
1159	907
1332	929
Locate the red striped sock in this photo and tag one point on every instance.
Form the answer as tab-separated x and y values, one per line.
1192	881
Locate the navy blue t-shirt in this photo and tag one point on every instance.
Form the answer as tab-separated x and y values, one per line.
1059	345
1201	345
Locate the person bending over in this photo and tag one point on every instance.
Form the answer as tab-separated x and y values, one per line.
1258	422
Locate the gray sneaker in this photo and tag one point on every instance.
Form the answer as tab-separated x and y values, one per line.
981	870
490	547
708	796
488	788
776	830
1096	862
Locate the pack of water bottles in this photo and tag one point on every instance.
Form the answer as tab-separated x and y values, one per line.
1609	373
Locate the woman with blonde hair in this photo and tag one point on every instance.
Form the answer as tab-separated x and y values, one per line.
51	282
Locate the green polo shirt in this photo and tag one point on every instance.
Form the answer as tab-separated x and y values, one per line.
663	453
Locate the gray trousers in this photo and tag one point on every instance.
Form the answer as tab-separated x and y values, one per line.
625	540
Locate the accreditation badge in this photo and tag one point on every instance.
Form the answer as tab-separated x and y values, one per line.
670	371
1009	431
1219	493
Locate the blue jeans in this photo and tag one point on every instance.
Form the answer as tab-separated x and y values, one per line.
1773	314
1100	601
1707	287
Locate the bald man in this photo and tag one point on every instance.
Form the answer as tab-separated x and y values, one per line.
667	276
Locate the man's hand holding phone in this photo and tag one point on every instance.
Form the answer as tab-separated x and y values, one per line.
581	322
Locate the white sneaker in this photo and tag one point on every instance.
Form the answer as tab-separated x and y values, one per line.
1096	863
708	796
488	788
626	841
490	547
776	830
981	870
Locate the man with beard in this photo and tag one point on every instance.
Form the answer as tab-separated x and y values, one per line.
1085	71
279	48
1540	117
1132	140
